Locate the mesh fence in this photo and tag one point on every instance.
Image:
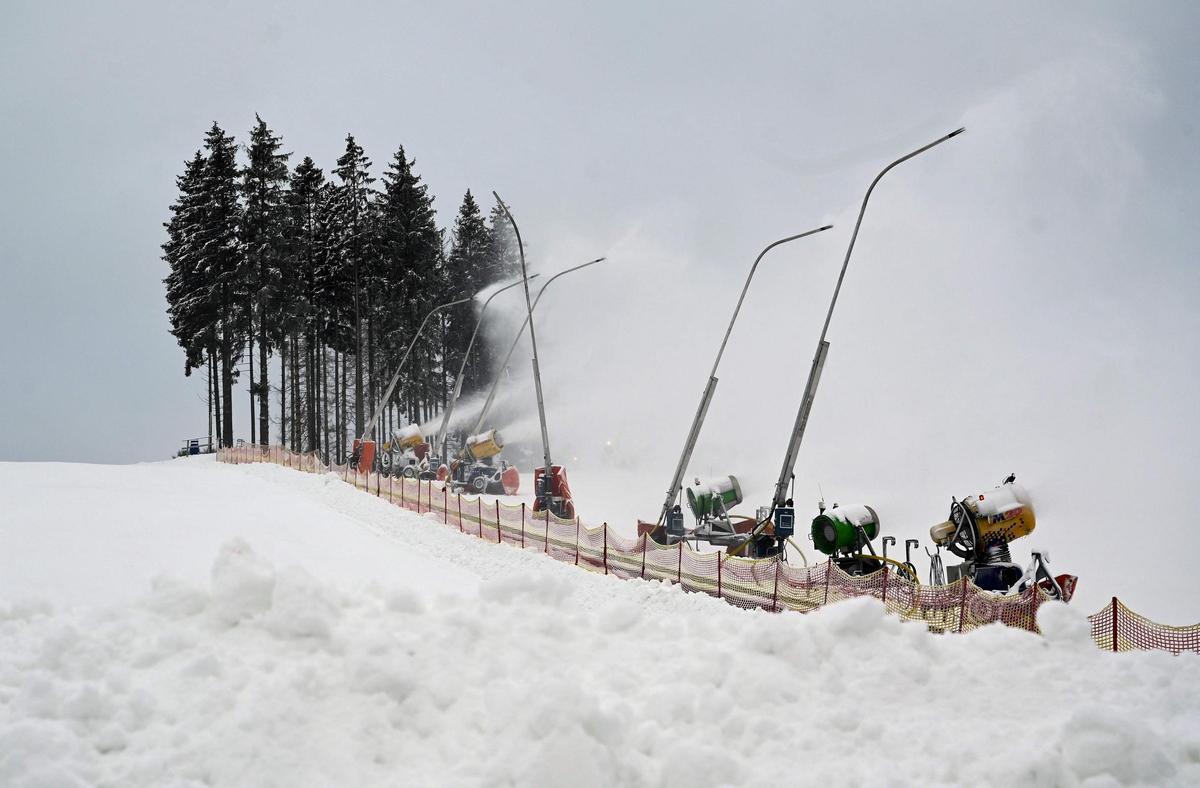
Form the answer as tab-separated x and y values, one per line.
767	584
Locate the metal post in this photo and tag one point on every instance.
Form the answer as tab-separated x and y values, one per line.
522	525
1114	624
460	525
828	572
885	581
679	567
445	504
387	395
479	504
462	368
606	548
709	388
487	405
547	545
645	539
962	605
719	554
789	458
577	541
775	593
537	376
499	536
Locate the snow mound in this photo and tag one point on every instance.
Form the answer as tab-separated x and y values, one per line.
555	676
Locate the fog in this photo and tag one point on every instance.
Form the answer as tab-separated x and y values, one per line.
1021	299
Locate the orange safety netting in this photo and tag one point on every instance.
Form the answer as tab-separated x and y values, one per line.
768	584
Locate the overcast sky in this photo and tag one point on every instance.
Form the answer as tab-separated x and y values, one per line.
1022	299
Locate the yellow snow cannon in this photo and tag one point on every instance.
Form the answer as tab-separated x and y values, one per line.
484	445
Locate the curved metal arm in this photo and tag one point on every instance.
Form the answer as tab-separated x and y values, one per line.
814	373
537	375
789	459
709	388
487	405
458	381
396	377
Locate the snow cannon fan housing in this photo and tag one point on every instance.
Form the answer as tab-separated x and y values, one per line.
715	497
484	445
836	530
407	438
1000	515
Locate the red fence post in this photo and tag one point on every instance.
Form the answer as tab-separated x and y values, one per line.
645	539
679	568
391	498
576	540
499	536
522	525
547	531
1114	639
962	605
479	503
719	554
445	506
460	525
828	572
775	593
418	496
403	484
606	548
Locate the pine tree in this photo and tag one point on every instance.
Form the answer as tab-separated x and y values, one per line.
504	261
410	247
354	247
219	256
187	306
262	237
304	241
468	271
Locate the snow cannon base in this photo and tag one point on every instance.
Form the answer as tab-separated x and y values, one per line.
510	479
363	452
558	498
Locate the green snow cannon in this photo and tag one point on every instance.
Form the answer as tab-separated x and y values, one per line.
702	499
836	530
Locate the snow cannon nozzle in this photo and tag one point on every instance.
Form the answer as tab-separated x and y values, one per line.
956	132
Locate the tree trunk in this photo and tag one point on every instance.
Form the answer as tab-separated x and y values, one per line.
250	388
227	389
264	385
283	391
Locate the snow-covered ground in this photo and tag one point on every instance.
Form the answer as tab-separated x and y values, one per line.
188	623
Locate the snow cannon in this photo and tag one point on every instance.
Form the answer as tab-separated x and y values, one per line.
558	497
714	498
484	445
844	533
409	437
979	530
844	529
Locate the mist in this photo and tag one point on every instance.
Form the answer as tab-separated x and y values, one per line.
1002	313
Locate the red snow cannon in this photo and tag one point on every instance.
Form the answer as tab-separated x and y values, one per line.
364	453
558	499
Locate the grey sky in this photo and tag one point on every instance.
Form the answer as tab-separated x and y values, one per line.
1023	299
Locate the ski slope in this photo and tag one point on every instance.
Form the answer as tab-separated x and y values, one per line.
188	623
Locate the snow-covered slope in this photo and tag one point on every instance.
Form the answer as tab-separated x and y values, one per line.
307	634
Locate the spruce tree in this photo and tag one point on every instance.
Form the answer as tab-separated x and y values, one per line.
262	237
468	272
410	248
219	256
354	247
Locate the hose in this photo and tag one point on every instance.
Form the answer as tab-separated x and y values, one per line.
903	567
803	557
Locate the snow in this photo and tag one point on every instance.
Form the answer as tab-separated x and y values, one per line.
291	631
